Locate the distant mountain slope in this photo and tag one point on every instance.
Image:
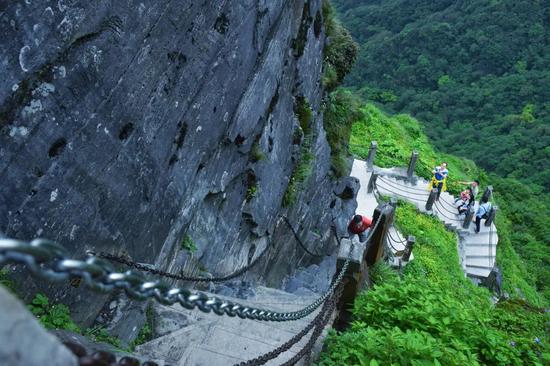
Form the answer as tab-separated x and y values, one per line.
477	72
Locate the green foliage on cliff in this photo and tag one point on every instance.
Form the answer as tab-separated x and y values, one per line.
52	316
433	315
342	109
340	52
476	73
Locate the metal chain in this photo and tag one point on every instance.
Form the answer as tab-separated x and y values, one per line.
317	330
400	195
158	272
287	221
412	191
49	260
440	212
328	306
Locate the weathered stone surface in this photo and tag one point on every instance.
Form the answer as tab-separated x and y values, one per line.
125	126
23	341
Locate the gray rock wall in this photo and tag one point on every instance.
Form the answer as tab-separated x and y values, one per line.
126	125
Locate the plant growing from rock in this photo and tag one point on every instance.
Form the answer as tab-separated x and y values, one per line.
188	244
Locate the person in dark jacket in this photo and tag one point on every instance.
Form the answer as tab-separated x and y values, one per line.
359	225
483	212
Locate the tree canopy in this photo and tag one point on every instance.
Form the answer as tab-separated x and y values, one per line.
476	72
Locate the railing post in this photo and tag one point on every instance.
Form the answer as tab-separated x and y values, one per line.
412	164
431	199
469	216
372	155
375	246
372	182
353	280
487	194
408	248
492	215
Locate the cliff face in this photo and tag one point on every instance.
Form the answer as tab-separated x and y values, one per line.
127	125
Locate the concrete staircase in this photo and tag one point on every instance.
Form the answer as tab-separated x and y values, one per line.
192	338
476	251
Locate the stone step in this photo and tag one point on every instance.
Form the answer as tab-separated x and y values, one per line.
480	250
478	271
230	346
484	261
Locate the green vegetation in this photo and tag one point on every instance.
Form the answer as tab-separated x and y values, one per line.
301	172
341	110
521	222
146	332
340	53
397	137
256	153
303	168
303	112
251	192
6	281
56	316
476	73
188	244
99	334
434	315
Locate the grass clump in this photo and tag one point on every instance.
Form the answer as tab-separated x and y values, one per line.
6	281
256	153
188	244
304	167
300	174
341	110
146	332
303	112
251	192
99	334
56	316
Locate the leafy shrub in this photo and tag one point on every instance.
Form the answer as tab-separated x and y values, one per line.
251	192
303	112
340	52
6	281
188	244
100	335
55	316
341	110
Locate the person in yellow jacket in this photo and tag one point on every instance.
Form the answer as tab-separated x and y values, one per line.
439	179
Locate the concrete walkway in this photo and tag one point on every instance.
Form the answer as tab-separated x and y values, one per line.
477	252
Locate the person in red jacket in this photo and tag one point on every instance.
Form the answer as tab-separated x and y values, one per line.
359	225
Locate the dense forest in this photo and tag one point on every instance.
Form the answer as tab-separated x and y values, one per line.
475	72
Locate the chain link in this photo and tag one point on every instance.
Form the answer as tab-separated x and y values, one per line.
50	261
319	322
158	272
